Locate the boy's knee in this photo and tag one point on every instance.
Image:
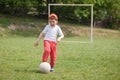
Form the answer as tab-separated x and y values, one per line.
47	50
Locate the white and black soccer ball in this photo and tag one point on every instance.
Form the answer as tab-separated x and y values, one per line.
44	67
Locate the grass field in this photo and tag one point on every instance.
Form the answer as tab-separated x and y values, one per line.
19	60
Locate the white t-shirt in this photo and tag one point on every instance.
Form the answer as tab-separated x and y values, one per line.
51	33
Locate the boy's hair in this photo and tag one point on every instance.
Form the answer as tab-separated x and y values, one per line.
53	16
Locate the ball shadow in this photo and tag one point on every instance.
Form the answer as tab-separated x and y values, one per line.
28	71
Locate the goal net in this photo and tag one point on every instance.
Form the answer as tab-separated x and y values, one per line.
81	11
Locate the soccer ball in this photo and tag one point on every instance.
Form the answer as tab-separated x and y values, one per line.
44	67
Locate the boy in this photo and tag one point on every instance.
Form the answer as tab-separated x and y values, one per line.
50	33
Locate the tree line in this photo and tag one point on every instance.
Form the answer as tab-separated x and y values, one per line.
106	12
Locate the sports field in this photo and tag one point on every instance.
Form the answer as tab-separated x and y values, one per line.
19	59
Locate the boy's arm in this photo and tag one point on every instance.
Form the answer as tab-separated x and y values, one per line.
38	39
61	35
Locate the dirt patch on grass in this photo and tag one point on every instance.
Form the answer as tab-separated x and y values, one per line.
68	30
85	31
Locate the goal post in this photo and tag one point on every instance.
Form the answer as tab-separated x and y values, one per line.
91	22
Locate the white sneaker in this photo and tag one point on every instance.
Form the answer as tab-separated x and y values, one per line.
52	70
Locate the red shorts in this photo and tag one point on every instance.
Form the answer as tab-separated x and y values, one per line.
49	49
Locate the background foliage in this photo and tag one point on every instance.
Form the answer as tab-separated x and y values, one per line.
106	12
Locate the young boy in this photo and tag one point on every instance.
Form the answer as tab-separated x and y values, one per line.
50	33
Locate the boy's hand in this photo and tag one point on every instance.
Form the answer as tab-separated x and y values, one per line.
58	40
36	44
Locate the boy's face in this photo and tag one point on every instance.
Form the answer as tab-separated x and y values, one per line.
53	22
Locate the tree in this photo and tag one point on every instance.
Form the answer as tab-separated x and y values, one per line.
106	12
113	14
15	7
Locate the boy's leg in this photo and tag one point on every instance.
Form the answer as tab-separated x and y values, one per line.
53	54
46	51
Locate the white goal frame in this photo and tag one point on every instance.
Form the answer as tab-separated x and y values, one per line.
91	29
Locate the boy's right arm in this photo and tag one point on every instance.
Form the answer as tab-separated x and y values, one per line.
38	39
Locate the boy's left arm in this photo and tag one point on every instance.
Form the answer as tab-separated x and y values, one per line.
61	35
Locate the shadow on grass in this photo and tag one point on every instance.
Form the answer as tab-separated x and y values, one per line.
28	71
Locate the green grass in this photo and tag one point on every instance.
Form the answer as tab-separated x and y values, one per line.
19	60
